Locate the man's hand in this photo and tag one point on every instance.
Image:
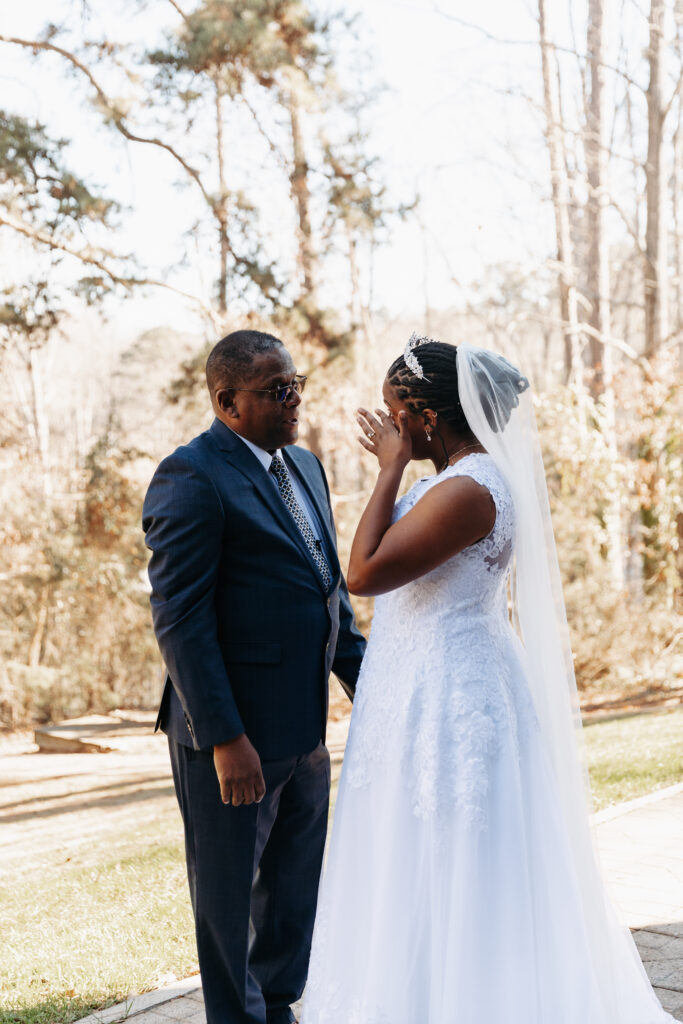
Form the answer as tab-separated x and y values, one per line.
238	768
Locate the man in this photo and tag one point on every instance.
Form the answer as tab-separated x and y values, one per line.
251	615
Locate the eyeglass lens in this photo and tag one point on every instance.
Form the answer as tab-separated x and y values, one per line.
282	394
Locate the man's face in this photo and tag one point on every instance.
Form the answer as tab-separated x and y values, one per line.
258	416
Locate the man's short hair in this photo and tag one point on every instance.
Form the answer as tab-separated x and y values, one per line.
231	360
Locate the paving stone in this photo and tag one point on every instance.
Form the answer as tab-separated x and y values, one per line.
667	973
197	995
671	1001
151	1017
180	1011
181	1008
674	928
671	949
652	942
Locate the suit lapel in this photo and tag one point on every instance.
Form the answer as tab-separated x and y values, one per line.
241	458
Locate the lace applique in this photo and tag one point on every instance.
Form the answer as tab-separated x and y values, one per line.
502	559
442	689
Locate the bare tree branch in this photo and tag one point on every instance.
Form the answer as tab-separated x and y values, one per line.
275	150
117	117
632	230
529	42
667	107
177	7
91	258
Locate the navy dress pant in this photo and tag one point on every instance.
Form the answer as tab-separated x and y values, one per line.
253	874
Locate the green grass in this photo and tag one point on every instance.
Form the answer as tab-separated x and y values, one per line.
115	918
630	757
89	932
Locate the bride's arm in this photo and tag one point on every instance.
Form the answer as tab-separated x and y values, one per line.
451	516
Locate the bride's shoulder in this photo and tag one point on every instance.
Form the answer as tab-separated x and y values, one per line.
480	467
476	464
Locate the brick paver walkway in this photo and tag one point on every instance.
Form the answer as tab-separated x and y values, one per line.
641	848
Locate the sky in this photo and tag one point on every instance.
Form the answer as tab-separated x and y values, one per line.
454	126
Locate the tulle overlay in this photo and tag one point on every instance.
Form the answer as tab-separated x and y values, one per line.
450	895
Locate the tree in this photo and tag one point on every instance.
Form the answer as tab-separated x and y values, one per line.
208	61
235	72
560	195
597	149
656	268
598	277
45	202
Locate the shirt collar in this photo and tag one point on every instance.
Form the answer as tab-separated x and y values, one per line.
264	457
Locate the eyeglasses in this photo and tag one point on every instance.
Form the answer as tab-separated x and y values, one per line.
282	393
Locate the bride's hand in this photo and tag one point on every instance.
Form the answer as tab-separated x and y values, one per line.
392	445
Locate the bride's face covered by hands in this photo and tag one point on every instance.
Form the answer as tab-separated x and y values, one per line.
416	423
386	435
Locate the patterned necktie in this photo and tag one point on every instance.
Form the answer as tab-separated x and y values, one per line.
279	471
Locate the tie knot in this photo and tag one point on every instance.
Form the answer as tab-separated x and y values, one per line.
277	466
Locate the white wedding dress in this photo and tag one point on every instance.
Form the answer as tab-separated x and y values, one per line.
450	895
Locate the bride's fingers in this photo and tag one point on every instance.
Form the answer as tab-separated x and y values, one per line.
369	432
368	422
385	419
367	444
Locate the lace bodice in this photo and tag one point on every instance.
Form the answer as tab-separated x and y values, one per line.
474	580
441	681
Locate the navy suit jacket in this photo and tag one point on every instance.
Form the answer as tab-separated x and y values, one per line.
244	624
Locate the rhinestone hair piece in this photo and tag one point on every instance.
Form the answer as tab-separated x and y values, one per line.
411	361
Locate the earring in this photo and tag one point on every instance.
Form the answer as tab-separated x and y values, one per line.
428	433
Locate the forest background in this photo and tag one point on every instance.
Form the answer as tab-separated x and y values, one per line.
170	171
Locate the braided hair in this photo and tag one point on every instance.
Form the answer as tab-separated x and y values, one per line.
438	390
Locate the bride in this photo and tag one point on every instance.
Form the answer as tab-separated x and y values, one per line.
461	885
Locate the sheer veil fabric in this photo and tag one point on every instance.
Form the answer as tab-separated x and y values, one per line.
498	405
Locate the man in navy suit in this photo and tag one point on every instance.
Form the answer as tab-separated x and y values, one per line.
251	614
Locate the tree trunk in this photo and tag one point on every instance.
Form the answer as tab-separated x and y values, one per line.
306	258
221	208
597	140
598	275
36	646
362	327
677	191
41	421
355	302
560	193
656	326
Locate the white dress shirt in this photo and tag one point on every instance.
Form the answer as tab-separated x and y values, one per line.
265	458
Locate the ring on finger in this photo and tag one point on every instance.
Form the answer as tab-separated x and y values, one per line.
371	433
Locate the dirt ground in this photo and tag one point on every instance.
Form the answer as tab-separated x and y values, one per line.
53	804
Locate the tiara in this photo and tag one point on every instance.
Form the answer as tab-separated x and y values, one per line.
410	359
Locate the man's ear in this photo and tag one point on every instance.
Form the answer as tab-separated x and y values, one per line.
225	400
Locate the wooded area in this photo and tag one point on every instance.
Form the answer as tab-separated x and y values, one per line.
261	107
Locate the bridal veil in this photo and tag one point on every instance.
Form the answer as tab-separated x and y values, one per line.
498	405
